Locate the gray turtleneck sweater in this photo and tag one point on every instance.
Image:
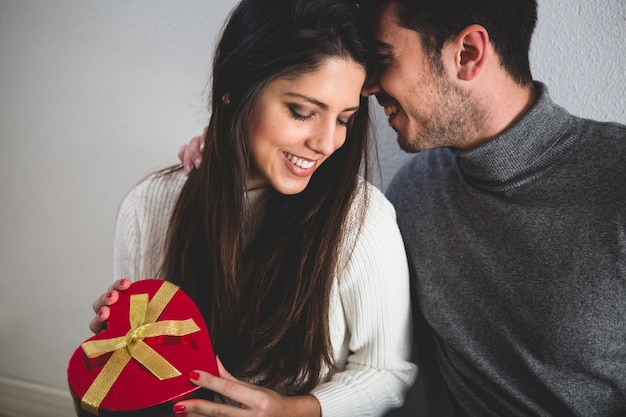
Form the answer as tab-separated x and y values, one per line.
518	249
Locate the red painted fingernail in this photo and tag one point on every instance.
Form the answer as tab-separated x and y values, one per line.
100	312
110	294
194	375
179	408
123	281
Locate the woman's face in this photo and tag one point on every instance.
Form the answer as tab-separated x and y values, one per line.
299	122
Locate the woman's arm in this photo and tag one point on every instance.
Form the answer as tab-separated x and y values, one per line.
142	226
375	304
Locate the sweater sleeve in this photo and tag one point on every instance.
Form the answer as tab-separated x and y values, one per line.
374	294
142	224
126	242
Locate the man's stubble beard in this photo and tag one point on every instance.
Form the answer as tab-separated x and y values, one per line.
454	122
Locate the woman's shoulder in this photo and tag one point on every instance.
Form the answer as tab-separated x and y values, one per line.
142	223
371	220
370	201
156	194
159	185
373	249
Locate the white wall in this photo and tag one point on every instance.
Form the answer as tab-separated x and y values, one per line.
94	95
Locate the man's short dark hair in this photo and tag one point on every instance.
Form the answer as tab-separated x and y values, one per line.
510	24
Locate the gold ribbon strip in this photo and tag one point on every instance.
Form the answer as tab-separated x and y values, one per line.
143	316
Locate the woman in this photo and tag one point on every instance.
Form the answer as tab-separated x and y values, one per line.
294	260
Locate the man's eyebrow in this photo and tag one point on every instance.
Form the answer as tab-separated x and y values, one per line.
384	46
317	102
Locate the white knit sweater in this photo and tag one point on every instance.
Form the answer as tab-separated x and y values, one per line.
370	317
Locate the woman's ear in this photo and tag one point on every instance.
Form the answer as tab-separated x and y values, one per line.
472	51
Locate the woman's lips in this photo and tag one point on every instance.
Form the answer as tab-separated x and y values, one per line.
299	166
301	162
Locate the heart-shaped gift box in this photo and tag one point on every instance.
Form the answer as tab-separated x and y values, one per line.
140	365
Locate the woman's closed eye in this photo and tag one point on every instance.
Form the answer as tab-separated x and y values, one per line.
299	114
346	120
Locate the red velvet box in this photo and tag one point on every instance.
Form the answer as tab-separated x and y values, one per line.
139	365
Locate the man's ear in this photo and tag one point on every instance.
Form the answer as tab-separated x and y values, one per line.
472	51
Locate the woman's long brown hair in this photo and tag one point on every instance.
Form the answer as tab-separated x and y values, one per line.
271	322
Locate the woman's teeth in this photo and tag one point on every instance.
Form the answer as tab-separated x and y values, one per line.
391	109
302	163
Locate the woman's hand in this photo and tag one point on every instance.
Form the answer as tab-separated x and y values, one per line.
102	303
191	155
253	401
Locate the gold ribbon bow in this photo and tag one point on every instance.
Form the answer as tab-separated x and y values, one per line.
143	323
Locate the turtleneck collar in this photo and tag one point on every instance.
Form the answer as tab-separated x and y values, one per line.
522	151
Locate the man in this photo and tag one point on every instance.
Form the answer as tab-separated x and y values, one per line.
514	219
513	212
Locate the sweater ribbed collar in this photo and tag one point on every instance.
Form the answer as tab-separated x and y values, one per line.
254	210
521	152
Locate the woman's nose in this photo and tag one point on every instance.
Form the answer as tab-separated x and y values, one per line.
324	141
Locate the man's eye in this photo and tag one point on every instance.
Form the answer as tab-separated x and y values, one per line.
383	59
378	63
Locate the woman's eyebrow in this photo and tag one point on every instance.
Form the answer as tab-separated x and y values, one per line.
309	99
317	102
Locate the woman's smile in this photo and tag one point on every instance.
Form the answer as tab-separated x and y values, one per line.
299	162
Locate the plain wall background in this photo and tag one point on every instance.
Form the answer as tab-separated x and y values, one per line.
94	95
